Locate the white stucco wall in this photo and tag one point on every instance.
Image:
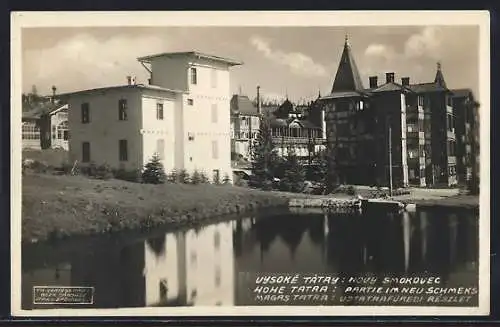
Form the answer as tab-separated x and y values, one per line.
152	129
198	121
104	130
56	119
170	72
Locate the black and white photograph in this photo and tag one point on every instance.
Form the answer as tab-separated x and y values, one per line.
250	163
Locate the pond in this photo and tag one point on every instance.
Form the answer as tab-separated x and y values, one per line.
213	265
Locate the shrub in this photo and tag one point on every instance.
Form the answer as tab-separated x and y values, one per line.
39	167
129	175
216	179
103	171
196	178
183	176
154	173
226	180
172	177
267	185
204	178
350	190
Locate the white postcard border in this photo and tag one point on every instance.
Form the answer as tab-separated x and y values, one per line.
21	20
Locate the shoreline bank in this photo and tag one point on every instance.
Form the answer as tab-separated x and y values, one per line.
57	207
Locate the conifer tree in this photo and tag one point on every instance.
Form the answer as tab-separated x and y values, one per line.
263	154
154	173
294	173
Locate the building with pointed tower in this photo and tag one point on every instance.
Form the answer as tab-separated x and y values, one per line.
395	133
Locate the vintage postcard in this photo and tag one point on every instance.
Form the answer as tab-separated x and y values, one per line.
250	163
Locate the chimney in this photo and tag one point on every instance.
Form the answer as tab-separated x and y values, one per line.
258	100
54	89
389	77
405	81
373	82
129	80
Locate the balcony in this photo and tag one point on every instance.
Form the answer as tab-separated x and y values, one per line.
278	140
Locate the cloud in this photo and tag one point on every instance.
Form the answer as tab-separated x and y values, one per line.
382	51
297	62
84	61
428	42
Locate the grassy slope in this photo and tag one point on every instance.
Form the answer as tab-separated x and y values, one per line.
55	206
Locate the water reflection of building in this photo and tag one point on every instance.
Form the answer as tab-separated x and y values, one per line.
438	243
209	266
176	269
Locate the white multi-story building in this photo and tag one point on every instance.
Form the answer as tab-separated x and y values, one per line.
182	115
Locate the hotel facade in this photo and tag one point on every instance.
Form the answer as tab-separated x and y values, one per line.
182	115
426	132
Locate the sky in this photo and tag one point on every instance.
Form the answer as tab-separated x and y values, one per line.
294	61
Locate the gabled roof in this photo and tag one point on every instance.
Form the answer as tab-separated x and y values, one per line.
346	94
462	93
427	87
347	77
43	109
196	54
124	87
390	87
243	105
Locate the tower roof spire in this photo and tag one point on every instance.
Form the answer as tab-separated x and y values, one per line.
347	77
439	79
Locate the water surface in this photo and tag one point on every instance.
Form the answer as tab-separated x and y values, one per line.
211	265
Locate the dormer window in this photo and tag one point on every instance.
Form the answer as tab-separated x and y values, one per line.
194	77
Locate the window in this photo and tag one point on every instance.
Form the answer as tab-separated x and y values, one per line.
85	110
194	77
451	123
122	149
159	111
190	136
160	148
62	131
54	132
412	154
213	78
122	109
451	148
190	102
214	113
85	152
30	131
215	150
449	101
421	100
